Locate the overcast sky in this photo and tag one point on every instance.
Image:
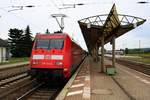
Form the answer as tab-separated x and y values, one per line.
38	18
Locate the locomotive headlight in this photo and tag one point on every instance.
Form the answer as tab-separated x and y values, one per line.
34	62
65	69
57	57
58	63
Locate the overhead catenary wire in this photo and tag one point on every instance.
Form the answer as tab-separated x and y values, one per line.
67	5
21	18
73	5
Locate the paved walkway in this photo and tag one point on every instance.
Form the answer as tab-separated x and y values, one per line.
103	87
136	84
90	84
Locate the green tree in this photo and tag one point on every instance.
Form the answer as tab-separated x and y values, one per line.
126	51
27	42
47	31
15	36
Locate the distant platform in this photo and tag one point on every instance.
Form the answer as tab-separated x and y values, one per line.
7	66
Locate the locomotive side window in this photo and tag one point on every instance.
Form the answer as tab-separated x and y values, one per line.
56	44
42	43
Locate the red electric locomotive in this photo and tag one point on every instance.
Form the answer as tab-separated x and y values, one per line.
55	55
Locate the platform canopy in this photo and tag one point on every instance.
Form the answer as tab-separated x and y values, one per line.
107	25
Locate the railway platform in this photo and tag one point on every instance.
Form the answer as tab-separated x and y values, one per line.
88	83
7	66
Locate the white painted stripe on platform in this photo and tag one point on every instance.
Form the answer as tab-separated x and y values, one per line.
2	87
86	93
145	81
75	93
76	80
87	89
77	85
63	93
87	78
80	77
137	77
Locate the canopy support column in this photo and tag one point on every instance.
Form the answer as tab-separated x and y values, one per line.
102	53
95	54
113	51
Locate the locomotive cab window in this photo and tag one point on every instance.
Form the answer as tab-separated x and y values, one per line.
42	44
56	44
49	44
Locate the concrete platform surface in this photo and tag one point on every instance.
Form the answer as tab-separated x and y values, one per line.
136	84
90	84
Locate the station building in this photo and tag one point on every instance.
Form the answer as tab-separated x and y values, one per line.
3	50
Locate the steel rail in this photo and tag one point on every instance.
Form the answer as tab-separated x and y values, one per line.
29	92
16	87
12	79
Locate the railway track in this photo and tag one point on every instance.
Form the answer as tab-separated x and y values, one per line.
22	87
10	90
6	73
15	83
134	65
12	79
40	92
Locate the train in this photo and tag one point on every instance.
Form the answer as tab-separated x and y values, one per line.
55	56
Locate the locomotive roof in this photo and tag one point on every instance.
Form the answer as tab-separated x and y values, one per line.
54	35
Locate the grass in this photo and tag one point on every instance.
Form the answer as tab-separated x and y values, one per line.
143	58
141	55
15	60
